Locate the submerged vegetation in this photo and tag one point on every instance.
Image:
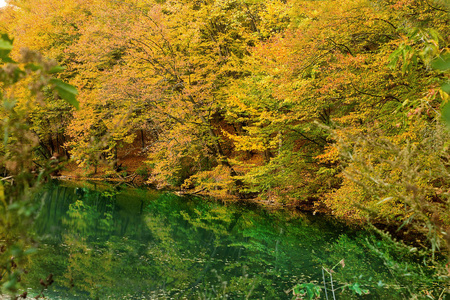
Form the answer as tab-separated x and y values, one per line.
338	105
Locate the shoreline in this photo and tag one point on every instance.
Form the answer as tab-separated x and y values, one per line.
406	234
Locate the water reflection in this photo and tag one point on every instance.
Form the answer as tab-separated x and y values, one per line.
133	244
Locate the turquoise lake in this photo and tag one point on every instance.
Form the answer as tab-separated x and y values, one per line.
120	243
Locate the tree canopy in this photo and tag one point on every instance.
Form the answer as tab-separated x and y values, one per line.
337	103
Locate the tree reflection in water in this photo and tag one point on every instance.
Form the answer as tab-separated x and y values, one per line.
134	244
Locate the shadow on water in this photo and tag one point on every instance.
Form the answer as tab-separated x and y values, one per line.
105	243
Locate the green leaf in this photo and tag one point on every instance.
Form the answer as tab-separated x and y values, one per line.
56	69
446	87
357	289
441	63
6	45
296	289
33	67
66	91
445	113
393	59
5	37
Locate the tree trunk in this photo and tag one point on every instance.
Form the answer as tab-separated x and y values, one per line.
142	139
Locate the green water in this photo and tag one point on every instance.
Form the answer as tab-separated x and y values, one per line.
107	243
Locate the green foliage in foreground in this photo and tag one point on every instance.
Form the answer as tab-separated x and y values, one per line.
31	74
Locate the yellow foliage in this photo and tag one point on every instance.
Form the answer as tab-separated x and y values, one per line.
216	182
330	155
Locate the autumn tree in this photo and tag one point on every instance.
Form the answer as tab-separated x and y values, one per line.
48	27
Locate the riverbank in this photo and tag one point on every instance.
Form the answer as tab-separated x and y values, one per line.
132	177
75	174
134	171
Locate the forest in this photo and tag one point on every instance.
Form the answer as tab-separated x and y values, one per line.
340	106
